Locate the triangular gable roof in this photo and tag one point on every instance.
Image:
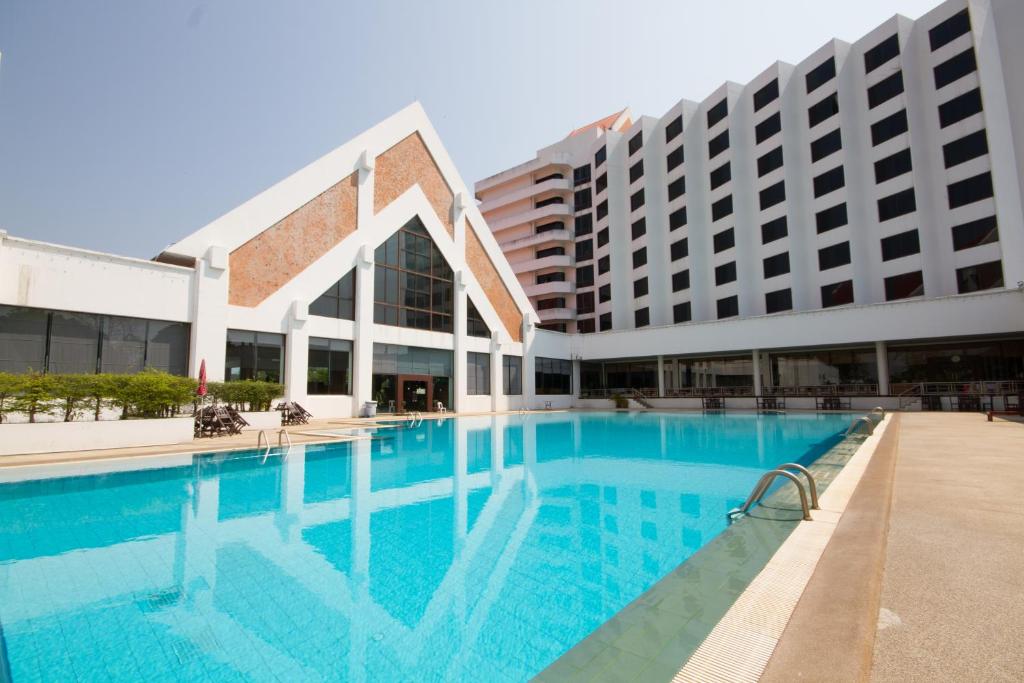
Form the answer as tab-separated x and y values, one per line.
616	121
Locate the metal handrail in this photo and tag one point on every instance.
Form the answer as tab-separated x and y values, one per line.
860	420
812	486
262	436
284	433
762	488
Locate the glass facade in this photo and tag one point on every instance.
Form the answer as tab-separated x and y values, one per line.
640	374
820	368
512	375
394	366
967	361
33	339
707	373
412	283
339	301
254	355
478	373
475	325
330	367
552	376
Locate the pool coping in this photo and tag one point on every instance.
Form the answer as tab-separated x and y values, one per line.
658	636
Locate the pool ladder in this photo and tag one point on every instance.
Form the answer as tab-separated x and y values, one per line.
282	438
876	415
765	482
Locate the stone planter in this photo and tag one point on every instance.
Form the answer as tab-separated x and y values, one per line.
58	437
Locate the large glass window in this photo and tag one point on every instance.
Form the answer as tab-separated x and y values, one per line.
124	345
512	375
254	355
74	342
817	368
553	376
339	301
970	361
412	281
478	373
330	366
704	373
475	325
167	346
641	374
22	339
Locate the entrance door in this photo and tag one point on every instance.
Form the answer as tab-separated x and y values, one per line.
413	392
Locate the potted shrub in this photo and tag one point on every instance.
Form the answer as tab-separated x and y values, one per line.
621	402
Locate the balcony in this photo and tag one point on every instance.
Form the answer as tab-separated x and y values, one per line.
546	288
555	163
557	261
549	212
551	236
556	315
553	185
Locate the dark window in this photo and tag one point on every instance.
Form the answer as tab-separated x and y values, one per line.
766	94
774	230
904	286
677	188
640	287
681	312
721	208
585	326
680	280
776	265
548	227
718	144
512	375
329	369
636	200
728	307
719	176
769	161
982	276
975	233
639	228
581	199
837	294
829	143
834	256
602	237
544	278
339	301
881	53
674	128
680	249
478	373
959	108
635	143
636	171
551	251
970	190
642	317
602	209
604	264
955	67
548	304
829	181
825	109
893	165
584	224
950	29
767	128
552	176
725	240
640	257
601	184
780	300
830	218
821	74
581	175
966	148
898	204
585	303
898	246
552	376
725	273
677	219
584	250
247	355
604	293
885	90
889	127
549	201
412	281
717	112
606	321
600	156
675	158
585	276
772	195
23	340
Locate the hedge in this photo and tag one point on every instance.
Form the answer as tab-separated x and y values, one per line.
150	393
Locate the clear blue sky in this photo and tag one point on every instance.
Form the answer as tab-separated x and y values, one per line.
127	124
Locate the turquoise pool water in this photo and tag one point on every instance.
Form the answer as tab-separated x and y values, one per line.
472	549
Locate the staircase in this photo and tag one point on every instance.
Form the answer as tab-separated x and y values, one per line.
635	396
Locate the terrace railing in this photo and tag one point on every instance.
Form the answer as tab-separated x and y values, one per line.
824	390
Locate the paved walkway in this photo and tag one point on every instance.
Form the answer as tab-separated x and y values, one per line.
953	586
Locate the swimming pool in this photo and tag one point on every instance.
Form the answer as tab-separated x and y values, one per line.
475	548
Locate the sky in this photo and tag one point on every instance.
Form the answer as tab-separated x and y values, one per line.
126	125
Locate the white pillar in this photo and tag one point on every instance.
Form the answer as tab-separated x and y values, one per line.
362	345
882	358
529	390
661	375
209	314
296	350
756	356
459	328
497	376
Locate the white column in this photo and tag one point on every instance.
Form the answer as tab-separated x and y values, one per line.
576	380
209	314
496	374
459	328
529	390
661	375
882	358
756	356
362	344
296	349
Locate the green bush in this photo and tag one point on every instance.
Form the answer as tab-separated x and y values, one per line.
10	386
70	393
152	393
246	394
35	395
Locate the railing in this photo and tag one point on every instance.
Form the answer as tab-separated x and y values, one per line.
995	388
766	481
824	390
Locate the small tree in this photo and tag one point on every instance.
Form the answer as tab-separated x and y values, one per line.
70	393
10	385
35	395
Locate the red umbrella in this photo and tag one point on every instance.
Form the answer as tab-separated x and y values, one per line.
201	391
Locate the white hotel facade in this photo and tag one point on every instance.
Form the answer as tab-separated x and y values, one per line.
848	228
